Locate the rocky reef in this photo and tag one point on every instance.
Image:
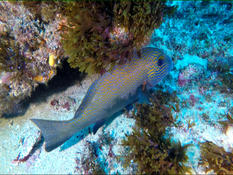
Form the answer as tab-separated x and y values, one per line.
30	49
187	127
99	35
37	36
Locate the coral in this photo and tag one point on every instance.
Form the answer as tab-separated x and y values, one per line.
98	35
216	158
148	146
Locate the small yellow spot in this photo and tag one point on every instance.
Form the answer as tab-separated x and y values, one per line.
52	60
51	73
39	78
43	79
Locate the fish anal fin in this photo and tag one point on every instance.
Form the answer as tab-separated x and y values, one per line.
98	125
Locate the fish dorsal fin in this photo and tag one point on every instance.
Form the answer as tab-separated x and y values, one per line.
88	97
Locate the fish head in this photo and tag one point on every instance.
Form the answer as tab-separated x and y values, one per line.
159	65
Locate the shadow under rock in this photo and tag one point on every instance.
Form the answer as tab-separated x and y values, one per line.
64	78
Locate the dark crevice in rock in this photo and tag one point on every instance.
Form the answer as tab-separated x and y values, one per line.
64	78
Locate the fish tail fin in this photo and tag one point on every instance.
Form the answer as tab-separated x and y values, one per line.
54	132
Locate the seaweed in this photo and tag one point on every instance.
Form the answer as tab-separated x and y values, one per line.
225	76
13	70
10	58
100	34
93	162
227	123
205	117
227	80
45	10
148	147
216	158
90	164
16	78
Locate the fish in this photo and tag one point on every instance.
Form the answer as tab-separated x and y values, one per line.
109	94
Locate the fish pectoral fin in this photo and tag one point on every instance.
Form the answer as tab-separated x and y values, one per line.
129	107
143	97
97	126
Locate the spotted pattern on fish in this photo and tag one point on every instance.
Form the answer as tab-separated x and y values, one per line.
126	78
109	94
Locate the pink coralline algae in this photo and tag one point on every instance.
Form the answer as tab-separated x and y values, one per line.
6	78
181	80
192	99
35	39
189	74
62	103
120	35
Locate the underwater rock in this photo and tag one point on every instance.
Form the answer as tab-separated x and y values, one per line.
27	46
190	74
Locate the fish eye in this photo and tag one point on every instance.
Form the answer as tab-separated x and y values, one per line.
160	61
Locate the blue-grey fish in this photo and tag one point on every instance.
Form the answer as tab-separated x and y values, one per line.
109	94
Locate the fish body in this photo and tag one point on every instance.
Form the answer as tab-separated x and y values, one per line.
109	94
